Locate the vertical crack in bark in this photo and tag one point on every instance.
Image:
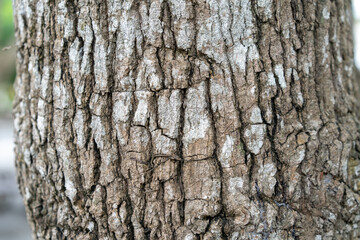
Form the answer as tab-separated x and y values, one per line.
180	171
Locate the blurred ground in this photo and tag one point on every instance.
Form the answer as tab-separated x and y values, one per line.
13	224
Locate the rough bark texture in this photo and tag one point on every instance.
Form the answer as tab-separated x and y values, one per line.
187	119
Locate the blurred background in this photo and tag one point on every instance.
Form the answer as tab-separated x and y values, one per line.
13	225
356	15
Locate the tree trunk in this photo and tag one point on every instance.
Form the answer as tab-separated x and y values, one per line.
187	119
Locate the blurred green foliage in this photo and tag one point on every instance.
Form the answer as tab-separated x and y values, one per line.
6	22
7	58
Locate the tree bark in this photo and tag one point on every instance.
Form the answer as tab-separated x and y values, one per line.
187	119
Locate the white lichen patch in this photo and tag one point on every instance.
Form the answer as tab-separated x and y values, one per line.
326	13
75	56
189	236
114	9
62	10
70	189
300	98
267	7
169	191
100	67
241	54
227	151
307	66
185	34
169	110
299	156
286	30
239	57
289	72
79	128
253	53
235	184
196	129
235	236
217	89
99	131
224	12
90	226
122	106
279	71
123	212
108	157
154	23
268	169
212	189
178	9
266	175
33	68
271	79
254	137
114	221
63	20
129	33
27	194
181	12
252	90
209	38
221	94
42	118
324	48
22	9
142	112
255	116
163	144
295	74
61	95
45	91
197	123
243	22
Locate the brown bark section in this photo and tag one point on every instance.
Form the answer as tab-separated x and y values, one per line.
216	119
